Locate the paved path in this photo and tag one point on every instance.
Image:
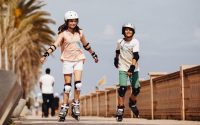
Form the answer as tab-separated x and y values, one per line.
33	120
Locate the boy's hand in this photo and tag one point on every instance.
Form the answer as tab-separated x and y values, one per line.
131	70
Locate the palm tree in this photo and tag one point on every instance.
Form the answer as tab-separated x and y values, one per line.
5	28
25	38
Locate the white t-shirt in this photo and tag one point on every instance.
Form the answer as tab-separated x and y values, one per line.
126	53
47	83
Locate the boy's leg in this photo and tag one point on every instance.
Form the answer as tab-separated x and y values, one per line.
119	113
134	79
121	94
123	87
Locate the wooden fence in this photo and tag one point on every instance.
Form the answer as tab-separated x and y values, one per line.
163	96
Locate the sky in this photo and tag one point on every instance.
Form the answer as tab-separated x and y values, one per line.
168	32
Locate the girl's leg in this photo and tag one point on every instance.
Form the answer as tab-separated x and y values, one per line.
77	90
67	78
77	84
67	71
65	106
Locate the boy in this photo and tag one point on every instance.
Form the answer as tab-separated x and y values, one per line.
126	60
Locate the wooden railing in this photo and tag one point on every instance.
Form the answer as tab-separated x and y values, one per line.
164	96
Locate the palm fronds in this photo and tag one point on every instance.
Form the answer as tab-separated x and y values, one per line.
24	32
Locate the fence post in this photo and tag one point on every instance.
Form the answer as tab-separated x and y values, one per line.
85	105
93	96
182	67
106	102
91	110
152	76
182	93
97	96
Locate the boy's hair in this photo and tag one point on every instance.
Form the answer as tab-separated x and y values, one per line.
48	70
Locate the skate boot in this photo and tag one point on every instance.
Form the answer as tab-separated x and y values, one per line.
63	112
119	113
132	105
75	110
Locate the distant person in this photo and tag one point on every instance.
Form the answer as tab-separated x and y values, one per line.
126	60
56	102
46	85
71	39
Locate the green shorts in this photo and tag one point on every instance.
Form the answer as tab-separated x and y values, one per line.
134	79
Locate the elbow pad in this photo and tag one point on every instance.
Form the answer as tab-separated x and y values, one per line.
117	51
136	56
87	47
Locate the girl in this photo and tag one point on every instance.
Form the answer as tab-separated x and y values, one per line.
126	60
70	37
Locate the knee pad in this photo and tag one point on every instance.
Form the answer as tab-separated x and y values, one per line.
135	91
67	88
122	91
78	85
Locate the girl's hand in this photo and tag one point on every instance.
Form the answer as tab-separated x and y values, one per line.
42	59
95	57
96	60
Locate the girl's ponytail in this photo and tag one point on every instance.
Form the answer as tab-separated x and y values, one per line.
62	28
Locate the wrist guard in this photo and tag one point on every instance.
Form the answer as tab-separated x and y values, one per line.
46	54
131	69
94	55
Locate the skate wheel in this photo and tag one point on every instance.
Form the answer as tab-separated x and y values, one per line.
61	119
77	118
119	118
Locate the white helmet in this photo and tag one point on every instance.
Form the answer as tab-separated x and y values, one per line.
129	25
71	15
